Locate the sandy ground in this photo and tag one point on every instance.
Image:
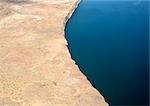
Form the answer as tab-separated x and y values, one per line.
36	68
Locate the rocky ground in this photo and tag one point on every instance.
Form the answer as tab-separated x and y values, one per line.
36	68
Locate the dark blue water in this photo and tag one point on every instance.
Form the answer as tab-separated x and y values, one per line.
109	42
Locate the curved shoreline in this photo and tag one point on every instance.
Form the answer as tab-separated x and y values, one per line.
36	68
72	10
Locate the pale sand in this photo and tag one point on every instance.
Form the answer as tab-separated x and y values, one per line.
36	68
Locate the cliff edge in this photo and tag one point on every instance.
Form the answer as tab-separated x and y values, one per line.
36	68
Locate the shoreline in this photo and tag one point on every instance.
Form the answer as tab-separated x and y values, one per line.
72	10
36	67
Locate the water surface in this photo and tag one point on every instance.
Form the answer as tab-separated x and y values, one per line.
109	42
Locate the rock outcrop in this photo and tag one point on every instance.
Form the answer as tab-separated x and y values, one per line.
36	68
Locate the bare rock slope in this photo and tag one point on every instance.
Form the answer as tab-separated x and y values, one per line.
36	68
